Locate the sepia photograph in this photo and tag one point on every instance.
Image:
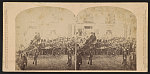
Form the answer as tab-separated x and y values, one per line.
85	37
44	39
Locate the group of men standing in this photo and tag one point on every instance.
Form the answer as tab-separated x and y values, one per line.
129	60
87	48
22	60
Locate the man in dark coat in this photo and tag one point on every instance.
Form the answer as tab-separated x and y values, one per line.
79	61
132	59
35	58
69	57
90	58
125	58
22	62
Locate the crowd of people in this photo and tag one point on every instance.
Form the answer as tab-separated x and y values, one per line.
84	45
115	46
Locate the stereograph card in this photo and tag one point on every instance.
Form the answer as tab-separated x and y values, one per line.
75	37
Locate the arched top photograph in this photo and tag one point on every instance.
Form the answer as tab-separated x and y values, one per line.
78	37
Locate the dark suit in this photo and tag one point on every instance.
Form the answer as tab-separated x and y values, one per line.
23	62
124	59
35	58
69	58
79	61
90	58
